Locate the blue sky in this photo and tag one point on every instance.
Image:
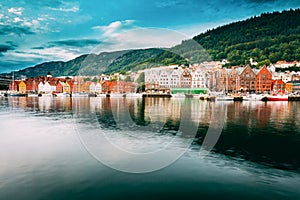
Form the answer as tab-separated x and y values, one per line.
33	32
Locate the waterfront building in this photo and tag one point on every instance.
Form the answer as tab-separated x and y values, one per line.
198	78
263	80
98	88
233	80
59	87
22	87
278	86
247	79
93	88
68	87
186	79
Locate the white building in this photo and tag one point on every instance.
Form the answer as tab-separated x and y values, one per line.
93	88
198	78
98	88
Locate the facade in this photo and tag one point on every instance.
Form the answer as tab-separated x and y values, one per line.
22	87
186	79
247	80
98	88
67	87
278	86
233	80
93	88
263	80
59	87
198	78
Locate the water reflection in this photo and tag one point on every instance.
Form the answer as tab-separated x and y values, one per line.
263	132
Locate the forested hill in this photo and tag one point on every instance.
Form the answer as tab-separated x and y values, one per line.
266	38
271	36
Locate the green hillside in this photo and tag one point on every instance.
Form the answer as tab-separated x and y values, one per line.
271	36
266	38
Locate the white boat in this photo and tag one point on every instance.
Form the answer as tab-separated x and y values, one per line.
80	94
255	97
47	95
117	95
32	95
224	98
63	94
101	95
134	95
277	98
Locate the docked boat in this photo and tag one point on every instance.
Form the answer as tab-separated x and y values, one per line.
134	95
47	95
15	94
117	95
80	94
225	98
62	94
276	98
32	95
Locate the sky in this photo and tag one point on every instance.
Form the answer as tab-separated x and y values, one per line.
32	32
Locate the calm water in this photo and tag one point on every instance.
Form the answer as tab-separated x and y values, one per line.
98	148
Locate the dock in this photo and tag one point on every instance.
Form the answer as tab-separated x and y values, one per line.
294	98
157	95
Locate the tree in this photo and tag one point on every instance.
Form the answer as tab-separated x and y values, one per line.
141	78
128	79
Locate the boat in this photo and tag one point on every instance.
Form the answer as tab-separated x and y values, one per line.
277	98
80	94
32	95
224	98
62	94
15	94
134	95
117	95
46	95
101	95
254	97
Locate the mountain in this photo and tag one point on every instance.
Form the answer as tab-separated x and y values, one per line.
266	38
271	36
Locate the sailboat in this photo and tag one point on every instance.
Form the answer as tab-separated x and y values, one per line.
13	92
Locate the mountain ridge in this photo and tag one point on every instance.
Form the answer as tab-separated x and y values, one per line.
266	38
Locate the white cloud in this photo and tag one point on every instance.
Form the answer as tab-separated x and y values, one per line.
1	16
115	27
71	9
141	38
17	19
48	54
16	11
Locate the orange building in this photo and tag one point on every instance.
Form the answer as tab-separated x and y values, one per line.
289	87
263	80
278	86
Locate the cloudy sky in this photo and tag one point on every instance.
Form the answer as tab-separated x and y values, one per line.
33	32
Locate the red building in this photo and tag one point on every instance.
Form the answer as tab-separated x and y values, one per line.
263	80
278	86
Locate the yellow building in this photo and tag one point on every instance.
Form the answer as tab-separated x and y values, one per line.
22	87
86	87
67	88
288	87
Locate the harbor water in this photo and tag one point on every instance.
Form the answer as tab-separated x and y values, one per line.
148	148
